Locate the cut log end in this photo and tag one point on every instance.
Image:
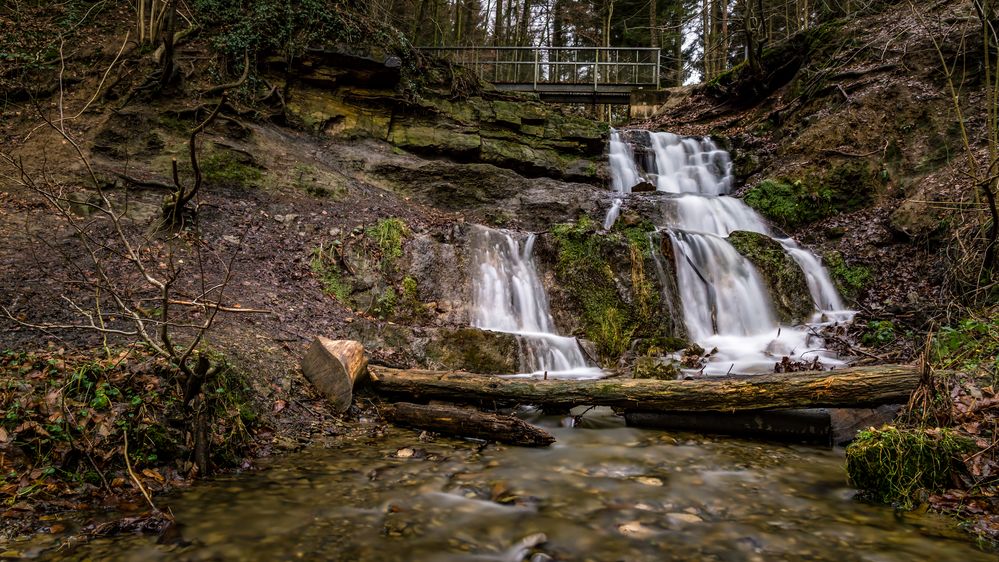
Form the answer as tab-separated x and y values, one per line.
335	367
466	422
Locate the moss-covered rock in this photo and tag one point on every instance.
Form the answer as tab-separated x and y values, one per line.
784	278
474	350
850	279
659	345
890	465
793	203
520	134
604	286
461	349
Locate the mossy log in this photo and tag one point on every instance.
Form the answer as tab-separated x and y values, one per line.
845	388
467	422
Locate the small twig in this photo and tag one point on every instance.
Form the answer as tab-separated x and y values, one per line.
128	465
221	308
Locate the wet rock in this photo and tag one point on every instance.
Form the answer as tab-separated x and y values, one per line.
683	518
497	196
643	187
784	278
461	349
474	350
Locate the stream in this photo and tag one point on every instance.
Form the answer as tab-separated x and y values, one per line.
603	492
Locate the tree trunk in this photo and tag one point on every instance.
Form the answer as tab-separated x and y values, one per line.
498	27
846	388
335	367
467	422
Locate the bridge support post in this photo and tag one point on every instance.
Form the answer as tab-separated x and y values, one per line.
644	103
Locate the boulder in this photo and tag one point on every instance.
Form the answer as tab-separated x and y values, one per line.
784	278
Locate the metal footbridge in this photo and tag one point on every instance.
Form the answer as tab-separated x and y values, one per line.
562	74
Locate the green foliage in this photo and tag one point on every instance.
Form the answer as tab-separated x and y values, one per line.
971	345
70	415
409	304
286	27
878	333
890	465
227	168
850	280
324	264
613	332
388	234
384	305
794	203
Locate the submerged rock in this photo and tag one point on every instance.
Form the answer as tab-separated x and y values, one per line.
784	278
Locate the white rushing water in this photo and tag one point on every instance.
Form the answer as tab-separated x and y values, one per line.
725	302
508	297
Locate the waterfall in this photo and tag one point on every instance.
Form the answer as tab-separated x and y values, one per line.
624	174
726	305
508	297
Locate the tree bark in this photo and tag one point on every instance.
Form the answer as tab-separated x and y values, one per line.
335	367
856	387
466	422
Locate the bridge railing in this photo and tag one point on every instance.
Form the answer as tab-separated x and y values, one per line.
576	66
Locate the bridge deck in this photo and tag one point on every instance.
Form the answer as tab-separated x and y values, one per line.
563	74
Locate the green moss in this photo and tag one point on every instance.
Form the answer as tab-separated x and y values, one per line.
792	203
324	265
410	304
388	234
890	465
850	280
385	303
228	168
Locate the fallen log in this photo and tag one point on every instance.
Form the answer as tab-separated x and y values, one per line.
466	422
844	388
335	367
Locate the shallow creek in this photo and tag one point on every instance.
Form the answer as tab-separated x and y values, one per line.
603	492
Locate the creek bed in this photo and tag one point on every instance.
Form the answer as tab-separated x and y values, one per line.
603	492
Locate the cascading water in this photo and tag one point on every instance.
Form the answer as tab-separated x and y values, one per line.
725	303
508	297
624	174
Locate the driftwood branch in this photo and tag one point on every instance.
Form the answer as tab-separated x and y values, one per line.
467	422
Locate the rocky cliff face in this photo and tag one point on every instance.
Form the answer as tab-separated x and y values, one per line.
345	97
